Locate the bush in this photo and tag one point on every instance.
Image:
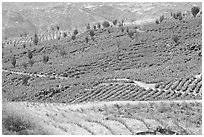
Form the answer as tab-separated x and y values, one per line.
106	24
24	45
157	21
175	38
58	28
31	62
130	34
115	22
91	33
14	124
64	35
120	24
180	18
24	65
45	59
175	16
30	54
98	25
94	27
127	30
73	37
195	10
63	53
88	26
25	80
161	18
76	32
35	39
179	15
87	39
109	31
13	61
122	29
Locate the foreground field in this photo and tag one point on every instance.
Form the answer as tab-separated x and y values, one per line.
104	118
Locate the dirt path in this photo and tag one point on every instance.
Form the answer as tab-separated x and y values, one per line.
138	83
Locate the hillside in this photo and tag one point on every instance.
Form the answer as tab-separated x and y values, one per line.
117	80
150	56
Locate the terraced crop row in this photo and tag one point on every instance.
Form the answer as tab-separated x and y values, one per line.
191	85
122	92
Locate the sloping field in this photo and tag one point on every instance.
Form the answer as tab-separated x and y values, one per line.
114	118
151	57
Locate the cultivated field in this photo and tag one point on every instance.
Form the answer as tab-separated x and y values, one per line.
129	80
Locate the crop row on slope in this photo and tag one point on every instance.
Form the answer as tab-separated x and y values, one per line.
190	84
74	93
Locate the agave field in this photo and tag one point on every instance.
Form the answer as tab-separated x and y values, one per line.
130	80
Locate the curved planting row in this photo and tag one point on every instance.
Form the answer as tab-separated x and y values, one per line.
124	92
191	85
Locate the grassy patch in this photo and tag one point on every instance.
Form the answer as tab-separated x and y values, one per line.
14	123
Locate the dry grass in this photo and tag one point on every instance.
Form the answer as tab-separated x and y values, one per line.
18	123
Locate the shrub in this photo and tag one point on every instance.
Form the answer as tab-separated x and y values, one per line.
130	34
31	62
30	54
123	21
127	30
94	27
120	24
109	31
63	53
14	123
24	45
180	18
91	33
25	80
13	61
175	38
178	15
76	32
122	29
24	65
58	28
64	35
73	37
88	26
106	24
115	22
45	59
25	34
157	21
161	18
195	10
87	39
35	39
175	16
98	25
